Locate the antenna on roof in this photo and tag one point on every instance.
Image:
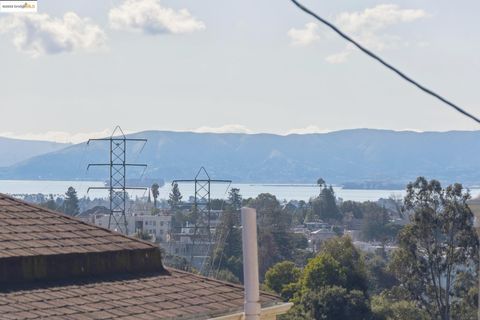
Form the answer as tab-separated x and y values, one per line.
118	171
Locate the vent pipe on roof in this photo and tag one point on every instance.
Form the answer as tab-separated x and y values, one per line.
250	264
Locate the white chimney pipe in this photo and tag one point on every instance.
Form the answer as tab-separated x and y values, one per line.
250	264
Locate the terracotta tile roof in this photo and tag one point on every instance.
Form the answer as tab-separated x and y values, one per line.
147	296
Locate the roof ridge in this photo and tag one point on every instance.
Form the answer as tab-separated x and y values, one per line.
39	243
62	214
236	285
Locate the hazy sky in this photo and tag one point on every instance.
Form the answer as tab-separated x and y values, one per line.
78	68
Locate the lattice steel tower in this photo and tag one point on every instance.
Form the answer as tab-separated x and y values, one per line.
201	206
118	175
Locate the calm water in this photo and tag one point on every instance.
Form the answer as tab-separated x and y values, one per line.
281	191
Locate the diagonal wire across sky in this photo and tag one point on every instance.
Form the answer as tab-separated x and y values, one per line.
384	63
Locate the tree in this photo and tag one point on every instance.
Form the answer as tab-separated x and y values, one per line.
375	219
385	307
175	197
70	205
332	303
466	286
325	206
228	254
333	284
298	211
281	276
176	262
439	241
226	275
379	277
351	260
320	183
352	207
155	193
275	241
323	271
50	203
235	199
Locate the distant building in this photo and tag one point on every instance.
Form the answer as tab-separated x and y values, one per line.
195	247
373	247
317	237
158	226
312	226
316	233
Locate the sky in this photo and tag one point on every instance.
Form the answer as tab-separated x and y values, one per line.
76	69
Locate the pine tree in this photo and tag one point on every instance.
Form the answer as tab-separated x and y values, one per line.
175	197
70	206
235	198
325	205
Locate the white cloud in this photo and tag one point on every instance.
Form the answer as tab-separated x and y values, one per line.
367	27
305	36
339	57
229	128
40	34
308	130
60	136
377	18
150	17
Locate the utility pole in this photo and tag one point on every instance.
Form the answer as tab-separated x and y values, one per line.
118	172
201	205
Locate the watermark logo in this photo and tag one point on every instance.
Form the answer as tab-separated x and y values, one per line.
18	6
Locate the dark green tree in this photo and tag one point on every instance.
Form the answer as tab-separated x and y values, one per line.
466	286
175	197
274	237
280	277
379	277
439	241
333	285
70	205
321	183
333	303
176	262
375	220
353	208
155	193
235	199
323	271
386	307
325	206
226	275
350	259
227	255
50	203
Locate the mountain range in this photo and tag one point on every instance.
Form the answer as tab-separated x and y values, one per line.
15	150
358	156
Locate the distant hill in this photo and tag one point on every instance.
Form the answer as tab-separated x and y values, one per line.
349	156
16	150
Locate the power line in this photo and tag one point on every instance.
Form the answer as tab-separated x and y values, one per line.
383	62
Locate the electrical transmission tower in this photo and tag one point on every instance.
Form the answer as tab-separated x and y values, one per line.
201	206
118	174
